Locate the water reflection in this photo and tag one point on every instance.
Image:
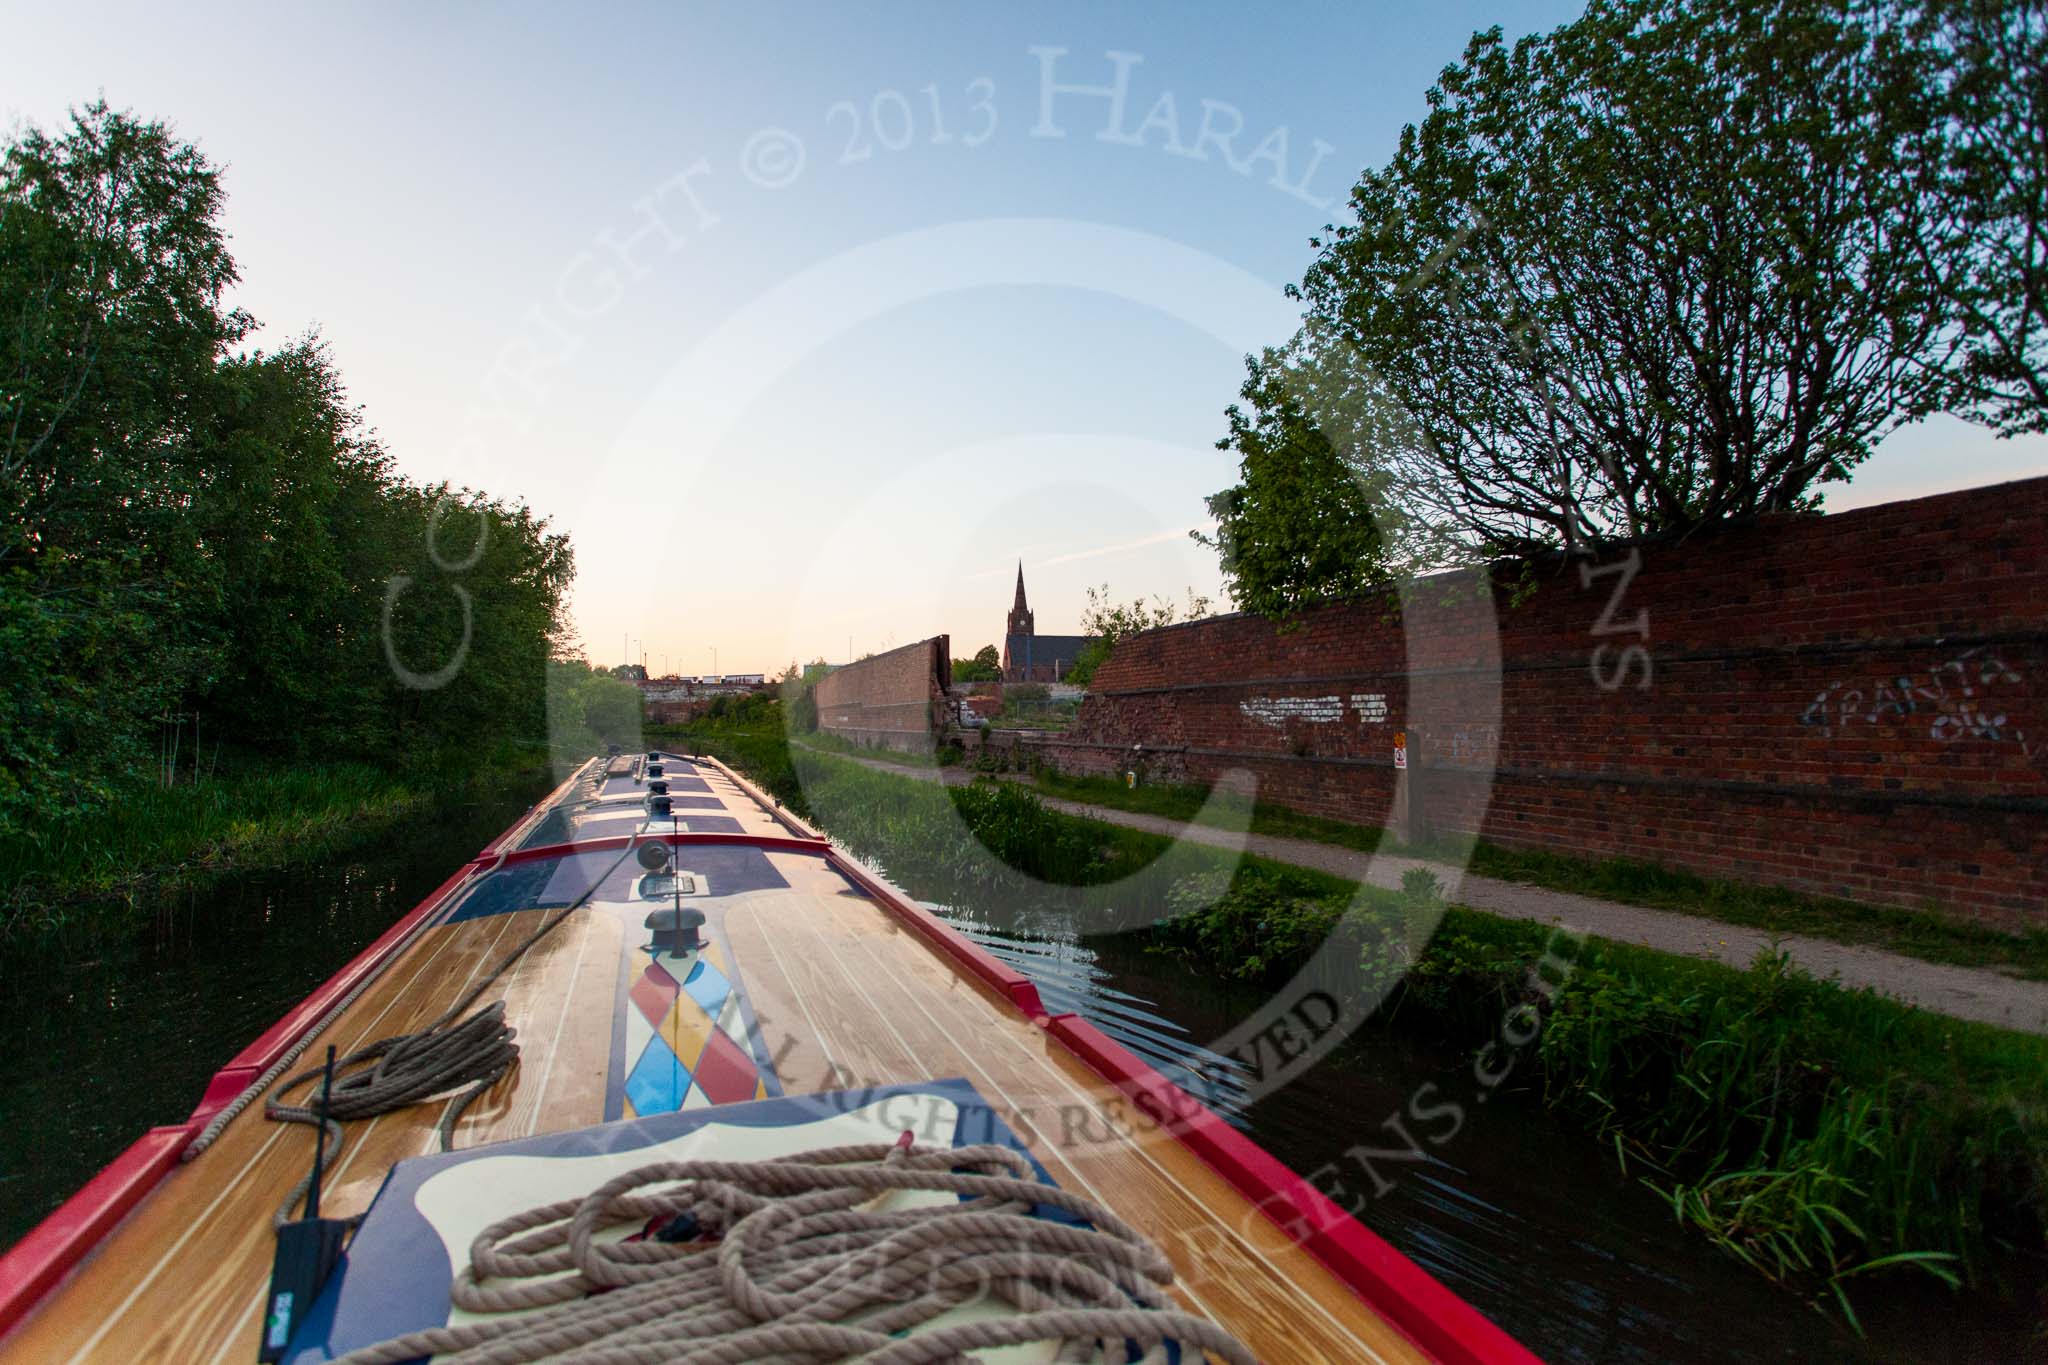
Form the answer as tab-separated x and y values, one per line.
114	1032
119	1026
1523	1218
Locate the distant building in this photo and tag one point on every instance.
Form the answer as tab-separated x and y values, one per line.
1029	656
681	689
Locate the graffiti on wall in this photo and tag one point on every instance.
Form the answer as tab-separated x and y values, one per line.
1276	712
1965	698
1473	744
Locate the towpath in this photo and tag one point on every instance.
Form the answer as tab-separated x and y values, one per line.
1982	994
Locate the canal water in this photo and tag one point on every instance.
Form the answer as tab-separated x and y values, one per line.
115	1031
110	1031
1520	1215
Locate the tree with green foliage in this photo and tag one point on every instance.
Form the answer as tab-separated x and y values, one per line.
1105	621
112	271
985	666
1984	69
188	529
796	691
1301	527
1652	270
589	708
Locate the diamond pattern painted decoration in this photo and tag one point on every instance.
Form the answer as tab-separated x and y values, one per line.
708	987
695	1051
658	1080
655	992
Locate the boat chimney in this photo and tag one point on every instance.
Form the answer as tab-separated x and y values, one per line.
675	930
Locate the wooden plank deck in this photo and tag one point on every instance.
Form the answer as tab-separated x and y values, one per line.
845	997
853	1000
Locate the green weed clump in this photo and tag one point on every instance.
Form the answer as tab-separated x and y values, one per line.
1818	1134
1822	1136
250	813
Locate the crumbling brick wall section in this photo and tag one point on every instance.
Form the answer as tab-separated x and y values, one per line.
1853	705
895	700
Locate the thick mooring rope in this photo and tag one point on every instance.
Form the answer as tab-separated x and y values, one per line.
474	1051
404	1070
794	1260
218	1124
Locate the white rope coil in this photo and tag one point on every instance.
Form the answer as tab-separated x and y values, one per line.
795	1260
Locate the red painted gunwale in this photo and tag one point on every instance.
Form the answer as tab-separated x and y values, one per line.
1400	1291
1403	1293
37	1263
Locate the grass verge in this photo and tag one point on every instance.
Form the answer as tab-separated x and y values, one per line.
1827	1138
252	815
1193	803
1924	934
820	742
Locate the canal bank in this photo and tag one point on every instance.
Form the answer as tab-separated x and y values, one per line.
1850	1149
82	870
2000	996
119	1017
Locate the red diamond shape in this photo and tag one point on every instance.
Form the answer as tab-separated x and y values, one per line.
724	1073
654	992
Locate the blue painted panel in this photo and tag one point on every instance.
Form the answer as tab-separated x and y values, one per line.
708	987
395	1276
659	1079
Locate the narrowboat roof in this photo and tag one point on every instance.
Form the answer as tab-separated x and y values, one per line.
812	976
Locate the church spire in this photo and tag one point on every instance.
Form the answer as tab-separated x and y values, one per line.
1020	611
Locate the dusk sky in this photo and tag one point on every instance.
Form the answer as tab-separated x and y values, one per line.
807	323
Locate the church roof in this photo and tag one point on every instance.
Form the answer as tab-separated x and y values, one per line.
1023	650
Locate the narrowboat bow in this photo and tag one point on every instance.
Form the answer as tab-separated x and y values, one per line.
663	1074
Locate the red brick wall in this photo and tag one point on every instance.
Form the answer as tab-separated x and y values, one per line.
1850	705
894	700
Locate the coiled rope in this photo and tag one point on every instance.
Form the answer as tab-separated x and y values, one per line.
402	1070
218	1123
454	1051
408	1068
794	1260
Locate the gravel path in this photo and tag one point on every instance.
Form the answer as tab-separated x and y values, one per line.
1982	994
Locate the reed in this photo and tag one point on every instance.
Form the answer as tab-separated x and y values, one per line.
1820	1135
1826	1138
250	814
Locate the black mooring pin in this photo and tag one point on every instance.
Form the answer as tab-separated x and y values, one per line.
306	1249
